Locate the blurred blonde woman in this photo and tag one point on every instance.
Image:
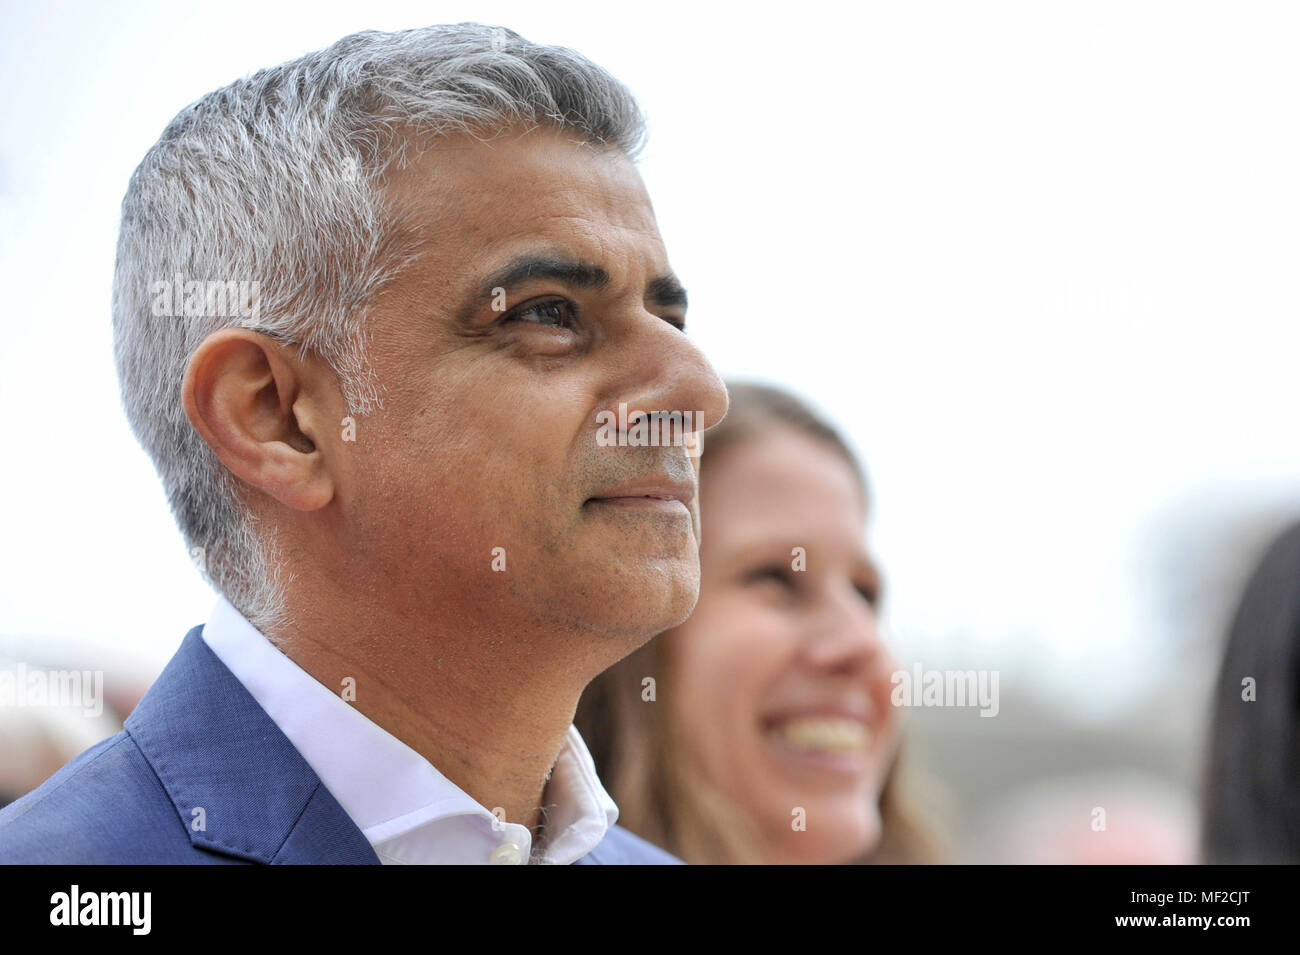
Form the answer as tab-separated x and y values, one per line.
761	731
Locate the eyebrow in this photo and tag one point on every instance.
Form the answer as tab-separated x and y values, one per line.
666	290
663	290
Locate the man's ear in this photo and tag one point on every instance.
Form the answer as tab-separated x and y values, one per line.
252	400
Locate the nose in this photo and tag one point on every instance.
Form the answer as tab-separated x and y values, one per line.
844	635
660	369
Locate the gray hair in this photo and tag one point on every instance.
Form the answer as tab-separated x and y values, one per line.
267	191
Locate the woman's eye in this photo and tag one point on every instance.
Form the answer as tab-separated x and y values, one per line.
771	574
556	314
870	594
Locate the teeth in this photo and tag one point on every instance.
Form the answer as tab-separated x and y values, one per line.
830	733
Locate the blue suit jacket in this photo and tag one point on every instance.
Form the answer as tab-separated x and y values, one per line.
198	740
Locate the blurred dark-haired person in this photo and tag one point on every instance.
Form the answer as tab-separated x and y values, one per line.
761	730
1252	784
370	308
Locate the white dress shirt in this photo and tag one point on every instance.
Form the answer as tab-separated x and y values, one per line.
410	813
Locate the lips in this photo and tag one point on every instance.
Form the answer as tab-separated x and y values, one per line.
648	490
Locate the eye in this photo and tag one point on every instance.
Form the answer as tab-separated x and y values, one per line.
870	593
772	573
555	313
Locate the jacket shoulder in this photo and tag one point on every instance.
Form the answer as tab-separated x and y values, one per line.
622	847
105	807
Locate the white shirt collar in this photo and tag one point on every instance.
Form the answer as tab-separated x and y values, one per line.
410	812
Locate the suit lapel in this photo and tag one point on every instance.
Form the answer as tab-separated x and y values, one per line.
240	787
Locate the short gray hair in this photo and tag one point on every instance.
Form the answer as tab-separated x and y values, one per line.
270	184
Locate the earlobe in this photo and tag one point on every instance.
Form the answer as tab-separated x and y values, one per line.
243	393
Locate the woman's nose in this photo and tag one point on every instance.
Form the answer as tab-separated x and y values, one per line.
845	633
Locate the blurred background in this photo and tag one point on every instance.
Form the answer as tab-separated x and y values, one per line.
1036	259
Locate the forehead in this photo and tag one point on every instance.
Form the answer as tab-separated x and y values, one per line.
781	486
479	199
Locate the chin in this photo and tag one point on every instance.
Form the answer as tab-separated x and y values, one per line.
841	837
649	613
641	598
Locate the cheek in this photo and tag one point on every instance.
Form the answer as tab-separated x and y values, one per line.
418	502
471	456
726	657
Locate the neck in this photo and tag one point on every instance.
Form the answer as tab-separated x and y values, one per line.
489	709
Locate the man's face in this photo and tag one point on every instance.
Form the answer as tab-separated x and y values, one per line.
542	296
